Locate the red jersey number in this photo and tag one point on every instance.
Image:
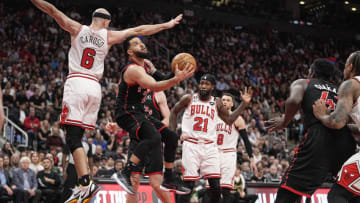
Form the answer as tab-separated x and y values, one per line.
198	124
329	102
220	139
87	59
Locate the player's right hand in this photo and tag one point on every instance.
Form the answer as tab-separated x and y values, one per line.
188	71
173	22
275	124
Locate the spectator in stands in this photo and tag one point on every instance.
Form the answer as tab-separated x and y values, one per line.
37	101
4	181
98	154
246	171
49	182
35	164
25	184
257	155
31	126
55	140
119	154
259	176
119	164
8	149
43	134
273	176
94	171
15	161
99	141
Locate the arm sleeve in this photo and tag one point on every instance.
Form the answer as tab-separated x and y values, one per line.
158	76
247	143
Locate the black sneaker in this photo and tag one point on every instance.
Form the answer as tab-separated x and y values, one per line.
123	179
174	185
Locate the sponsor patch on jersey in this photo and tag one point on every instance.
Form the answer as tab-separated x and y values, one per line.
212	103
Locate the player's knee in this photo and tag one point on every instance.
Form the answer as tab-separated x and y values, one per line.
170	137
73	137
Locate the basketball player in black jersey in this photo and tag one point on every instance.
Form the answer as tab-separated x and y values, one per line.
131	116
322	149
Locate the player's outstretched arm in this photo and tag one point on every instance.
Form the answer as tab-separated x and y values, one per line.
339	117
224	113
64	22
179	106
142	30
136	74
292	105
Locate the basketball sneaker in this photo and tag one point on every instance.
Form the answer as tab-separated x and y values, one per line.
74	196
174	185
123	179
88	192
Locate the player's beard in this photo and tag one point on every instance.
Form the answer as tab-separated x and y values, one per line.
204	94
142	54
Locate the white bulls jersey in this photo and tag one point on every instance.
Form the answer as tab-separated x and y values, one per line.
355	112
200	119
227	136
88	51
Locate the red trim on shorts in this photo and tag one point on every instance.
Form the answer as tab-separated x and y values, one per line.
195	142
82	74
295	191
78	76
227	186
191	179
154	102
212	177
79	125
307	80
75	121
154	173
162	128
137	132
295	157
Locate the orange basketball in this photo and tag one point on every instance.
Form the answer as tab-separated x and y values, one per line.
182	59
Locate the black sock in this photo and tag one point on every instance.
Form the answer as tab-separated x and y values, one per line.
84	180
168	174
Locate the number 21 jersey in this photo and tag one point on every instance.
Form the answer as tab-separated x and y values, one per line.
88	51
200	119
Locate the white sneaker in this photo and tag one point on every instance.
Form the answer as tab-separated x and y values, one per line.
88	192
74	196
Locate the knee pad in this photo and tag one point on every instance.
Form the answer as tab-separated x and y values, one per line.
74	135
169	137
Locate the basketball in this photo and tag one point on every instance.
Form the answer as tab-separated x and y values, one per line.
181	60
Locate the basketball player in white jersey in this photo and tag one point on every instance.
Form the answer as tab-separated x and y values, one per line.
227	139
348	180
202	113
82	92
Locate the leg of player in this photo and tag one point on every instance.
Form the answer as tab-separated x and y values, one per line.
135	181
225	194
215	190
285	196
73	139
339	194
186	198
150	143
155	181
170	138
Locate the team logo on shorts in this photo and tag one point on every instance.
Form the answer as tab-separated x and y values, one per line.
64	113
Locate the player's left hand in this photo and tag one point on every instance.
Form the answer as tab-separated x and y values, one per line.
174	22
275	124
246	96
320	109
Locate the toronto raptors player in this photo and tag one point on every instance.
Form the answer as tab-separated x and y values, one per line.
348	180
82	92
227	139
202	113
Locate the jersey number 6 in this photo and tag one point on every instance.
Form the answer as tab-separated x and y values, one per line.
87	59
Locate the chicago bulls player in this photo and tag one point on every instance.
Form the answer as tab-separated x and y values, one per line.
227	139
201	115
348	180
82	92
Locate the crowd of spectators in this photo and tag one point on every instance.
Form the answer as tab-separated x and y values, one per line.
33	69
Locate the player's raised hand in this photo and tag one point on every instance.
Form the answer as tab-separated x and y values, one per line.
320	109
112	127
275	124
173	22
188	71
246	95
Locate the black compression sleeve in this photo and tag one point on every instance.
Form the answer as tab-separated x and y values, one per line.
247	143
158	76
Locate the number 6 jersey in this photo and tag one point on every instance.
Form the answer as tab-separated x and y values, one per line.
199	120
88	51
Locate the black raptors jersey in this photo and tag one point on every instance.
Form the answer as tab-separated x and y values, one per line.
317	89
130	97
151	106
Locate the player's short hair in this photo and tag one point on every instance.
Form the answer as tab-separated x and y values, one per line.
229	95
126	44
209	77
323	68
355	61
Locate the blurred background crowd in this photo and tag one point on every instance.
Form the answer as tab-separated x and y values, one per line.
33	69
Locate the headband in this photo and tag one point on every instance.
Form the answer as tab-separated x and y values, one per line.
102	15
